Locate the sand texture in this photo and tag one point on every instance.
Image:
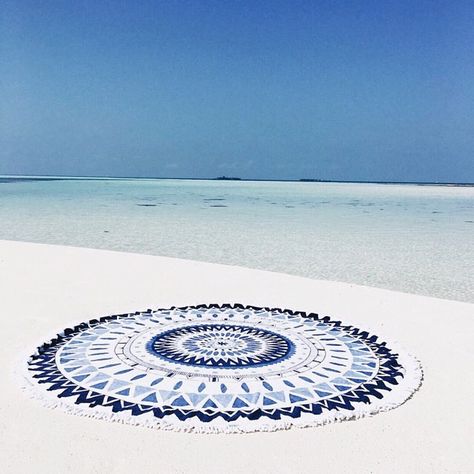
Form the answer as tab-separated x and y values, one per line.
45	288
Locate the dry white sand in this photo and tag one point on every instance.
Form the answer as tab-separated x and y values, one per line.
45	288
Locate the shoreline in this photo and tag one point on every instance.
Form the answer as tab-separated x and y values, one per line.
43	288
338	282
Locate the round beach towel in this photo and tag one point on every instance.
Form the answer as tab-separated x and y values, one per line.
221	368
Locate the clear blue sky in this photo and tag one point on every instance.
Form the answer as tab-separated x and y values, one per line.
363	90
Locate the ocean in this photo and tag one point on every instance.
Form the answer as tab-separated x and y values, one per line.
416	239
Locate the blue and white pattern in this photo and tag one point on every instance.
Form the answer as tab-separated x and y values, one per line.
221	345
222	368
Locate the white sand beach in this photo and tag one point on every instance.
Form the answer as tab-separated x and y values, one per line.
45	288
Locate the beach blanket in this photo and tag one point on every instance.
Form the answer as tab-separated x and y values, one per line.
221	368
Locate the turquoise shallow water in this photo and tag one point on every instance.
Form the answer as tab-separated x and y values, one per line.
418	239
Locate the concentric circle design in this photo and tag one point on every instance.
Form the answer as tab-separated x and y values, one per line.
221	368
221	345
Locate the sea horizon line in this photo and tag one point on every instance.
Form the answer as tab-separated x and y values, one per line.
225	178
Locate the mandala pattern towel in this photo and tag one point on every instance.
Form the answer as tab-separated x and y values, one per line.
221	368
